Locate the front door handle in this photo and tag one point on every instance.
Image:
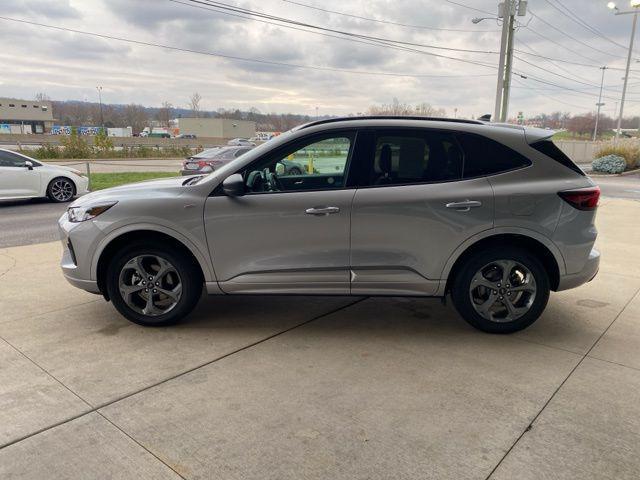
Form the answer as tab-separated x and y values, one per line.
464	206
319	211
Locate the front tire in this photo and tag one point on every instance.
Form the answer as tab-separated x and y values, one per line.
152	285
61	190
501	289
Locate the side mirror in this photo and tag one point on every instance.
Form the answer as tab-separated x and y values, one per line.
29	165
233	186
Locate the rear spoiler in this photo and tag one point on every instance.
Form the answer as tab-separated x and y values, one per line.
533	135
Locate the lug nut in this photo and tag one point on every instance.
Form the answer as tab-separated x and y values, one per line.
495	292
499	285
150	278
144	283
508	293
146	290
501	298
157	284
155	291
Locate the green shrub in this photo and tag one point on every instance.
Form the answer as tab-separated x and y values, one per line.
103	145
609	164
75	146
628	149
43	152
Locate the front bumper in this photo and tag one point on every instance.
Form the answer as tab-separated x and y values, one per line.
587	274
78	244
82	185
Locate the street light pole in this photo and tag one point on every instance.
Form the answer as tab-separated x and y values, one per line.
626	75
100	100
504	114
634	4
599	104
504	39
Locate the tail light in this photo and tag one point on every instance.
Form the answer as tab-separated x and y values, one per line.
582	198
210	163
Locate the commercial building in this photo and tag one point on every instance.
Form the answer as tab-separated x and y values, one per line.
25	116
217	127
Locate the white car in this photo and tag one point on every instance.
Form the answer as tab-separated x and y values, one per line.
23	177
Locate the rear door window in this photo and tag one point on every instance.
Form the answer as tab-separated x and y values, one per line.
483	156
402	157
551	150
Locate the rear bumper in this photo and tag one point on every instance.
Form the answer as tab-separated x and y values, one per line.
585	275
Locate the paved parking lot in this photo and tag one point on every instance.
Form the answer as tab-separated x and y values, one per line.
317	388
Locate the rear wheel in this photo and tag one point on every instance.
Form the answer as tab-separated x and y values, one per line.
61	190
153	285
501	290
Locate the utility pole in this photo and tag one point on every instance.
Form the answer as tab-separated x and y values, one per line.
599	104
507	11
100	100
504	10
635	4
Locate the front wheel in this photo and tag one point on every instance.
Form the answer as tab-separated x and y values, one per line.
153	285
501	290
61	190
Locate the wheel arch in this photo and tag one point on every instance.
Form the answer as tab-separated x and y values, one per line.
543	248
121	237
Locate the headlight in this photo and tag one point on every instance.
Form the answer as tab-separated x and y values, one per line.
79	173
82	214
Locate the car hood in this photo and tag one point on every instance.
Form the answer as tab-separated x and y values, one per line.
50	166
149	188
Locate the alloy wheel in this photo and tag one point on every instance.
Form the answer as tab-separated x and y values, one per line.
62	190
150	285
502	291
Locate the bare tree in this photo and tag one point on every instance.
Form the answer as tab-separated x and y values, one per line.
164	114
42	97
194	104
426	110
136	117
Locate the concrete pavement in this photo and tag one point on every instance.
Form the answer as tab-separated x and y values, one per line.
300	387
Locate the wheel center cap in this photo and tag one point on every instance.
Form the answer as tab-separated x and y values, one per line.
503	291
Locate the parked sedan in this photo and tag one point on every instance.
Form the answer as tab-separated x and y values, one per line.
209	160
23	177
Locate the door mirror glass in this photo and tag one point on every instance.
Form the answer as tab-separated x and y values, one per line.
28	164
233	186
280	169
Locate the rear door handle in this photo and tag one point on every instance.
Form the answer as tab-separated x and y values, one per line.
319	211
464	206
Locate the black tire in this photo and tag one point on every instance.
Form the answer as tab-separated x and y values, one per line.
56	198
295	171
461	285
189	274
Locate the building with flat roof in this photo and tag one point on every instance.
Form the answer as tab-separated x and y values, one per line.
217	127
25	116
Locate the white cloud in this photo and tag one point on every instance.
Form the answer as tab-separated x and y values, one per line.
69	65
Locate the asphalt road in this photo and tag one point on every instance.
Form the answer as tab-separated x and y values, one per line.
35	221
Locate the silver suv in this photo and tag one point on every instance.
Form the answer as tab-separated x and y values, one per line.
493	215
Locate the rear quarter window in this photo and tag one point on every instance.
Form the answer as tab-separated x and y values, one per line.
551	150
483	156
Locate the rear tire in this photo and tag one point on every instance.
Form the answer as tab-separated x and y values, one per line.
153	285
61	190
501	289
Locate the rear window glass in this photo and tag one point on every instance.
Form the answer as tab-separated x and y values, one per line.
483	156
551	150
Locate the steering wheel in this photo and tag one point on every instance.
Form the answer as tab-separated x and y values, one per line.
271	180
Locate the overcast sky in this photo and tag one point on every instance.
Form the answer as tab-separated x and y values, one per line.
68	65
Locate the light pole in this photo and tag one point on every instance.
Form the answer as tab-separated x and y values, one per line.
634	4
599	104
507	10
100	100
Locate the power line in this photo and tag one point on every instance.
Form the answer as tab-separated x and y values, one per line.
222	7
559	30
582	107
470	8
388	22
544	37
235	57
575	18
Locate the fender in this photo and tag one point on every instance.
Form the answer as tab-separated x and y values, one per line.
202	258
555	251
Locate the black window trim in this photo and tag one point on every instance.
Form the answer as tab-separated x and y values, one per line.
352	133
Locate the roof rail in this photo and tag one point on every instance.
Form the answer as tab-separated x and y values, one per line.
386	117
